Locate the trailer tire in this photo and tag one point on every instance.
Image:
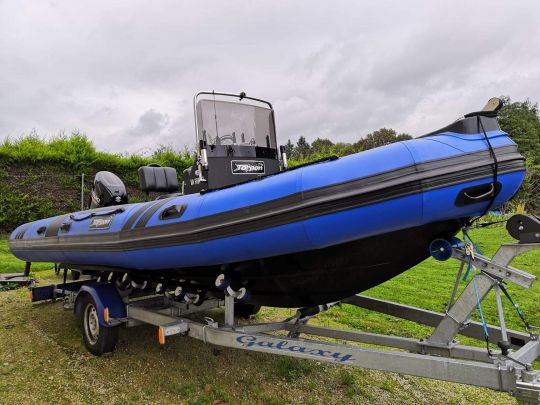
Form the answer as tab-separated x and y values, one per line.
97	339
246	310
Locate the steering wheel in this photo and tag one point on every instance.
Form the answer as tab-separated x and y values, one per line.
227	137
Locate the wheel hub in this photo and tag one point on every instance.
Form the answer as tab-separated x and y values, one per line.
91	324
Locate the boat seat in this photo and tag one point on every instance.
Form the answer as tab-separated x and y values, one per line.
154	178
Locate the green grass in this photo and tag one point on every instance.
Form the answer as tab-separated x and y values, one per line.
10	264
42	358
428	284
77	153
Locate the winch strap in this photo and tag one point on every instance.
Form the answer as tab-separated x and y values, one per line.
486	224
495	171
516	306
495	167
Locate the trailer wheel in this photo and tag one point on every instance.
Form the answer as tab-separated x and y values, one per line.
97	339
246	310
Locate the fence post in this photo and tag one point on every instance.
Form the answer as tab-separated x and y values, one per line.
82	191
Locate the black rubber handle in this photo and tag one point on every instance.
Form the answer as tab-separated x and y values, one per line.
173	211
478	193
479	197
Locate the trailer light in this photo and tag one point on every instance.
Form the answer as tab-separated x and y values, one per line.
106	314
161	335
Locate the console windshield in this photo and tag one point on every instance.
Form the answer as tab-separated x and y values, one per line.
234	123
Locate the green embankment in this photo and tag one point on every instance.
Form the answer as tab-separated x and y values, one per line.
41	178
42	358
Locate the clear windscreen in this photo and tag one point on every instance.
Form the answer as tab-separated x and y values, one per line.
230	123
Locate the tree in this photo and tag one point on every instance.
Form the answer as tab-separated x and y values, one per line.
403	137
321	146
381	137
302	149
343	149
522	122
289	148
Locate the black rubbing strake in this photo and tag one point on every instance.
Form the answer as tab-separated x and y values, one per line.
296	207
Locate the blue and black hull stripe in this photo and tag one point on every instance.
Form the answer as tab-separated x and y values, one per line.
409	180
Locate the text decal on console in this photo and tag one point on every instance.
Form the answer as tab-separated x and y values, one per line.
247	167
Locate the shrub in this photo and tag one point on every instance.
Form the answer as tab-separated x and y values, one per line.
18	208
28	161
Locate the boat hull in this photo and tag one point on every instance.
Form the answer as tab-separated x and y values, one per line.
319	276
296	237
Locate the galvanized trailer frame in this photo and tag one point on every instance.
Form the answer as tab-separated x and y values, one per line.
439	356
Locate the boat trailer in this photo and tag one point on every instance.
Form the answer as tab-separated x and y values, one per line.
439	356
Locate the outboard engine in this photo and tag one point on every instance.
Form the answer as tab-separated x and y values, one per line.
107	190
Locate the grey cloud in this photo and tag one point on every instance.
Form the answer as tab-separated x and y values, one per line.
150	123
336	69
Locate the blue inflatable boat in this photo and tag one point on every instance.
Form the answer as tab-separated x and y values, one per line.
292	237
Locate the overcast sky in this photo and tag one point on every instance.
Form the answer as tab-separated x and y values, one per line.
125	72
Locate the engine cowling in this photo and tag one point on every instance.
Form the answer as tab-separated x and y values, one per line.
107	190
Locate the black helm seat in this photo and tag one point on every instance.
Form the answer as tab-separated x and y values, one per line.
155	178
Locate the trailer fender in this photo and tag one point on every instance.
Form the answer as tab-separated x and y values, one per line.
104	295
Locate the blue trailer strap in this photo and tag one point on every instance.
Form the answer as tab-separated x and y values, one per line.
467	236
484	324
476	248
469	267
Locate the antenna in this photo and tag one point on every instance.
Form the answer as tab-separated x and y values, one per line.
215	116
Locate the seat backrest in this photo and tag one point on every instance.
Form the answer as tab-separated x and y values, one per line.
157	178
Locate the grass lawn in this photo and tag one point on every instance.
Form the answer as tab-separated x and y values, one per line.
10	264
42	358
